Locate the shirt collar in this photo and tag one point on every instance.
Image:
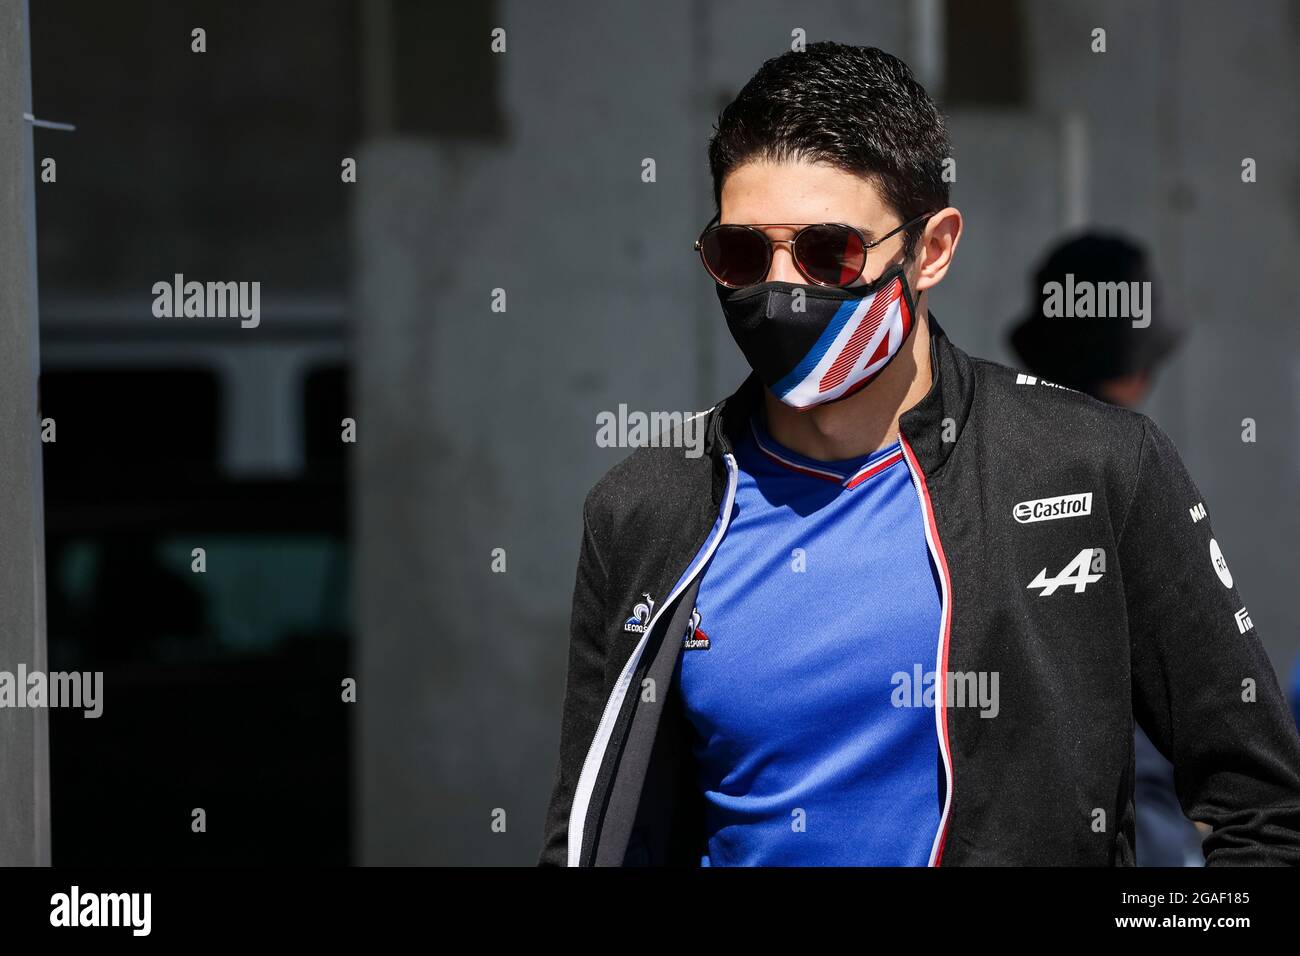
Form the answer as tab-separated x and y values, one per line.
848	473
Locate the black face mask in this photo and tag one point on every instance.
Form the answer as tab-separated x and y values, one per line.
813	344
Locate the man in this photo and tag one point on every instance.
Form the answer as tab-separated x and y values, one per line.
1114	358
756	632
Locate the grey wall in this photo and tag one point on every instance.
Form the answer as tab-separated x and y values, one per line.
24	750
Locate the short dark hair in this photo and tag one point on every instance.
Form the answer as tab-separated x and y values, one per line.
856	108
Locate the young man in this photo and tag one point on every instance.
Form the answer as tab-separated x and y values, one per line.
756	632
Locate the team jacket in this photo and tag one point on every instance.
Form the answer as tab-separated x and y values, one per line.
1076	561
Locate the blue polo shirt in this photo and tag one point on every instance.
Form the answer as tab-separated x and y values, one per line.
815	617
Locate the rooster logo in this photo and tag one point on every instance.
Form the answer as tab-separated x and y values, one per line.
640	615
696	639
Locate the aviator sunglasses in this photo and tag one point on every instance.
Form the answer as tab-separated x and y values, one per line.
825	253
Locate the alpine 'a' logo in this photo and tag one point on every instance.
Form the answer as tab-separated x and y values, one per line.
696	639
1048	509
1079	573
640	615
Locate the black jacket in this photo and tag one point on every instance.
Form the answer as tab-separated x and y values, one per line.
1076	561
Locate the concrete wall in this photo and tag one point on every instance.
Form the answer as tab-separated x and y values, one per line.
24	748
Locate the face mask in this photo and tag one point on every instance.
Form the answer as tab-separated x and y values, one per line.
841	340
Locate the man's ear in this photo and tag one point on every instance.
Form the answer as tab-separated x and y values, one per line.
937	247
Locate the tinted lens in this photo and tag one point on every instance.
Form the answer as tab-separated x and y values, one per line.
734	255
830	254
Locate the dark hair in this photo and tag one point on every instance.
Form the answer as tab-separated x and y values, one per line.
856	108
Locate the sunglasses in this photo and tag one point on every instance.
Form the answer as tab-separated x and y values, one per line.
825	253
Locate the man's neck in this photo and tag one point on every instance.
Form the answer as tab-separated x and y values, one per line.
866	421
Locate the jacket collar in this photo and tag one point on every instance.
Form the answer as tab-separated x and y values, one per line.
952	390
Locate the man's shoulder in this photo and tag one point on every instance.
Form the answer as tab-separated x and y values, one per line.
1055	415
1045	427
655	480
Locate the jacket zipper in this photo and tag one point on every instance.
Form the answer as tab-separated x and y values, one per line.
945	632
586	785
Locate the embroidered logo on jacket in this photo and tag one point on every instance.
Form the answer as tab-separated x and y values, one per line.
1078	572
1023	379
1049	509
1220	565
696	639
640	615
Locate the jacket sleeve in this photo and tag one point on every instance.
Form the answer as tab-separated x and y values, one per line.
584	691
1203	687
